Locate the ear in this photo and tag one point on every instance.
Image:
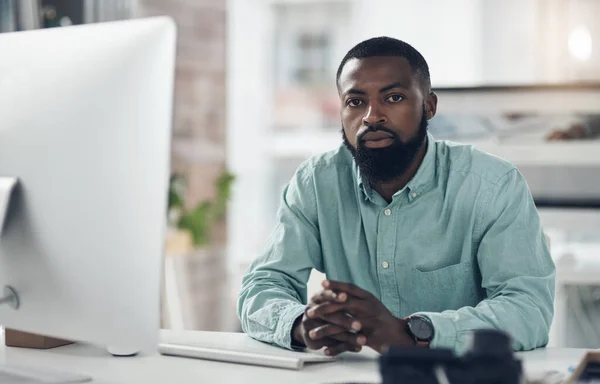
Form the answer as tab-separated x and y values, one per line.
431	105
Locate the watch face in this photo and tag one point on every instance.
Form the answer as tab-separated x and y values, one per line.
421	328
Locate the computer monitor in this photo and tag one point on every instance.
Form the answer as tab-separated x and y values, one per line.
85	127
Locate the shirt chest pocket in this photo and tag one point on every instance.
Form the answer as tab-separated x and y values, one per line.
450	287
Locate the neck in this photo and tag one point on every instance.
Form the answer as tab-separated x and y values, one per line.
387	189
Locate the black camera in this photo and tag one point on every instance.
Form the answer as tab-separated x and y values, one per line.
489	359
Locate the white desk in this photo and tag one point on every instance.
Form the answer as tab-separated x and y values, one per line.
150	369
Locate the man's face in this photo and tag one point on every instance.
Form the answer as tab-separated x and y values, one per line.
384	115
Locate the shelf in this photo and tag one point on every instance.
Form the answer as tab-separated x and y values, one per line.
306	143
546	154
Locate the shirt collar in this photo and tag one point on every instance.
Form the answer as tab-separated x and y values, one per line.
421	182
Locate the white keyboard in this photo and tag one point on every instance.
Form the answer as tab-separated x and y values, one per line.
240	349
34	375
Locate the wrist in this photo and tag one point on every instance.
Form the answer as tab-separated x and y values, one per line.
297	338
404	332
420	329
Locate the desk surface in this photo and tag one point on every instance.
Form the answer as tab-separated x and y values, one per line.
149	369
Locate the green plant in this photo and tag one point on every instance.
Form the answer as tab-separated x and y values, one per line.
200	219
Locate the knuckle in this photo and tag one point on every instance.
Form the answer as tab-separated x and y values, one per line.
329	309
347	322
317	297
343	337
345	347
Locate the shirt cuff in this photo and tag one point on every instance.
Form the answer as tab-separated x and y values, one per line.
286	322
445	334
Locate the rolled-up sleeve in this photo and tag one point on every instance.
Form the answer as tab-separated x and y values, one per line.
517	273
273	292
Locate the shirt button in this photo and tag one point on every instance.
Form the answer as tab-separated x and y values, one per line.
414	194
385	265
387	212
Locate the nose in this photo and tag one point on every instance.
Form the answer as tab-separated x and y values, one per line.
374	116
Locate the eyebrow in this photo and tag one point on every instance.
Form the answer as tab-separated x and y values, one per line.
392	86
384	89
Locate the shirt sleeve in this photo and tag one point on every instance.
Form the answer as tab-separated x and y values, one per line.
273	292
517	273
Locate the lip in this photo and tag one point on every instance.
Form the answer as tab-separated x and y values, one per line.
377	139
374	136
381	143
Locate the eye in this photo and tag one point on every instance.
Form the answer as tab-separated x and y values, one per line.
394	98
354	102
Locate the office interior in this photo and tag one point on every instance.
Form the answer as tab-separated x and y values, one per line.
255	96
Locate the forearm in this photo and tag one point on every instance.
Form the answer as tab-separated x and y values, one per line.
268	308
297	339
273	292
526	314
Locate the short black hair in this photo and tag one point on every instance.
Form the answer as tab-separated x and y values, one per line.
388	46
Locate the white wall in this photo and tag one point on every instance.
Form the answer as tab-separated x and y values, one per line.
473	42
445	32
509	44
585	13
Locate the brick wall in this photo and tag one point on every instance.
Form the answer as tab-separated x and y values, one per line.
199	123
198	152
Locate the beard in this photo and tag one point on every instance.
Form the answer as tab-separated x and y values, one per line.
378	165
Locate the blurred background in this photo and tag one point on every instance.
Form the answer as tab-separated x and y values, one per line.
255	96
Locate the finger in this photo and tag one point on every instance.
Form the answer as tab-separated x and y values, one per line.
326	342
308	323
350	289
309	311
340	348
356	339
321	310
326	330
343	320
359	307
327	295
324	296
318	344
354	307
307	326
367	324
364	314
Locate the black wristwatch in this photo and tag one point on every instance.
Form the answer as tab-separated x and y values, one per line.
421	329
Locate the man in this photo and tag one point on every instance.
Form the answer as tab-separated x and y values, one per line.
422	241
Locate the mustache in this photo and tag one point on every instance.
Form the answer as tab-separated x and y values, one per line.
375	128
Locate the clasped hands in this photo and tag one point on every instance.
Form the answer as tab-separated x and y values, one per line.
343	317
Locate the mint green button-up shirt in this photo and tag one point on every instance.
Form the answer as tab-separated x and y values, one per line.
461	244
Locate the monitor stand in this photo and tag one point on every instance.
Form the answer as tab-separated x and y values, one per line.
15	338
33	374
